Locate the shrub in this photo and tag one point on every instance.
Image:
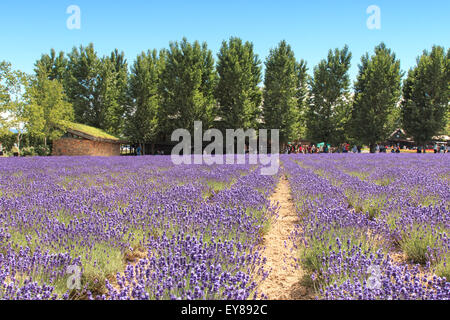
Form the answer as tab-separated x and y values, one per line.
27	152
42	151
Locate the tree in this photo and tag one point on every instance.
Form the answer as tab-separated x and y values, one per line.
144	97
302	98
329	102
82	86
186	87
96	87
47	109
52	66
13	86
5	80
281	85
426	95
377	91
447	126
237	92
113	88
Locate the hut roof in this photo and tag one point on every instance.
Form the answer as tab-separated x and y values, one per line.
88	132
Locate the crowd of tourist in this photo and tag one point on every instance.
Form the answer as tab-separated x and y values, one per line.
297	148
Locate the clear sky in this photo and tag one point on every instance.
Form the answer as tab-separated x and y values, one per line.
30	28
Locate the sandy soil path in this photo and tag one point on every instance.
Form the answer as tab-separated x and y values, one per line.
283	282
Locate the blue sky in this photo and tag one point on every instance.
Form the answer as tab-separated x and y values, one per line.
30	28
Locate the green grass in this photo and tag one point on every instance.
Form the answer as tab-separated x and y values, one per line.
361	175
415	244
371	206
88	130
443	268
215	186
385	181
260	215
311	255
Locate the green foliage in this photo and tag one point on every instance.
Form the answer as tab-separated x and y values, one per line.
47	107
28	152
237	91
13	103
95	132
281	86
443	267
371	206
186	86
319	247
299	127
417	242
329	103
144	97
113	84
96	87
426	93
51	66
181	85
377	91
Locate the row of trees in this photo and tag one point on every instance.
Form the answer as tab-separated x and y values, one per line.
172	88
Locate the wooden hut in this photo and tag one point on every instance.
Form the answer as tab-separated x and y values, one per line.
83	140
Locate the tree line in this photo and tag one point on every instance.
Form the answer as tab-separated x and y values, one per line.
171	88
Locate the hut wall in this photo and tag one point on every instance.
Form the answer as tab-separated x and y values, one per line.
84	147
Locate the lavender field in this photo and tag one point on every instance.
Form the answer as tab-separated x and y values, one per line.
369	227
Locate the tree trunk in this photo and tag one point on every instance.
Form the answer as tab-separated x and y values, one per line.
372	148
45	142
18	142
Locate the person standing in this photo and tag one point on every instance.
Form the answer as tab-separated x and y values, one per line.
1	150
15	150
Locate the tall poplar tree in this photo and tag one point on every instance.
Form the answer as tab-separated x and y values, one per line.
238	93
377	92
144	97
113	88
329	102
302	98
281	85
96	87
187	87
52	66
426	94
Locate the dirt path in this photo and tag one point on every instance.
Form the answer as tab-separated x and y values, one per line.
283	282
